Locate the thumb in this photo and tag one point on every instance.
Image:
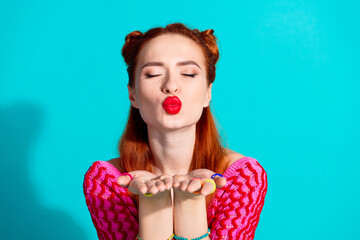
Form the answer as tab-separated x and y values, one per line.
124	180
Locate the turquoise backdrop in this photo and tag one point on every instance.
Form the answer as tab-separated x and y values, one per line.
286	93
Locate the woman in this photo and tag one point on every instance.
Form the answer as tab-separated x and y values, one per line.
173	179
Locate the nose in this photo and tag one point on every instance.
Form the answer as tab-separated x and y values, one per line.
170	85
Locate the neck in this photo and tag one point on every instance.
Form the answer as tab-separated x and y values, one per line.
172	150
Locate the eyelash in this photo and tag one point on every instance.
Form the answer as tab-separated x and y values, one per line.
151	76
189	75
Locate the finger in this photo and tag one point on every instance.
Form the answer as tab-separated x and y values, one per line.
167	182
194	186
137	186
176	185
123	180
177	179
183	185
208	187
220	181
160	185
151	188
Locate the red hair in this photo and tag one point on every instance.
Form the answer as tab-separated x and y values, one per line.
134	149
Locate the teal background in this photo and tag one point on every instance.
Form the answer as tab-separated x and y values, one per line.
286	93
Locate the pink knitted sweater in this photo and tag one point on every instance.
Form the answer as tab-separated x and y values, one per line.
234	212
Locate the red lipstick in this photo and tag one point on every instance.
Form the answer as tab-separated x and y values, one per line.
172	105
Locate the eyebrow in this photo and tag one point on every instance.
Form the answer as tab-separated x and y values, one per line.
160	64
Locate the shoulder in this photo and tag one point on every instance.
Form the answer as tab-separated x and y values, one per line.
100	172
232	156
240	163
106	167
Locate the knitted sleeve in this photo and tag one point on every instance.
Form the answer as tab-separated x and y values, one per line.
235	210
111	209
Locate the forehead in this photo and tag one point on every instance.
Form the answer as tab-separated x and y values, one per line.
171	47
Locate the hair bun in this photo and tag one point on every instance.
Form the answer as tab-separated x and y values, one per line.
133	35
209	32
131	41
210	41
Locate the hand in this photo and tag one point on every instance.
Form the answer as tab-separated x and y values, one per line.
187	183
145	182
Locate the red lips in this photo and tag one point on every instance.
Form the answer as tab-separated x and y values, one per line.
172	105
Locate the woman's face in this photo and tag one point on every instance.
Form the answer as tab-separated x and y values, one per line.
170	65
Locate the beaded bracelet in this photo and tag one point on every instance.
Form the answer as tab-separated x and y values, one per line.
139	238
198	238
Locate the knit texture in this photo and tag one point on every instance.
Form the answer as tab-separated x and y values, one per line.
234	212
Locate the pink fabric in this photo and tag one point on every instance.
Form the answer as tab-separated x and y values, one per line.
234	212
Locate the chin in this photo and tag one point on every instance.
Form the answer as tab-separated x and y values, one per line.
175	122
178	126
173	126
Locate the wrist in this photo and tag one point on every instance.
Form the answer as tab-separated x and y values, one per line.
160	198
190	217
186	196
187	203
155	216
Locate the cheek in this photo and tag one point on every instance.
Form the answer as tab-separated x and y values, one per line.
198	94
146	97
142	92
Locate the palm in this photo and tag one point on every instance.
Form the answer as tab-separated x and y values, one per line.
145	182
200	173
187	183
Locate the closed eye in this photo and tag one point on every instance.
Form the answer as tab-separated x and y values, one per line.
147	75
189	75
